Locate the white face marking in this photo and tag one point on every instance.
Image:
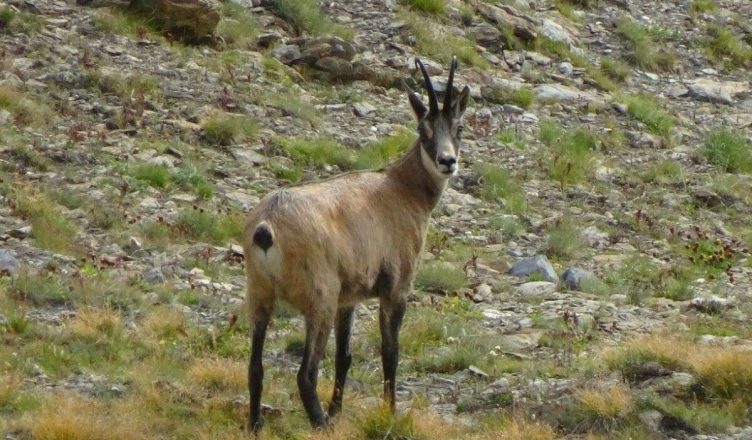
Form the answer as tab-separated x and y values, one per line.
431	166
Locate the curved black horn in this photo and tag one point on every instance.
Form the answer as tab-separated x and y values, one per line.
450	87
433	104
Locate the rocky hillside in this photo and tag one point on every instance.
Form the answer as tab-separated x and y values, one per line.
587	274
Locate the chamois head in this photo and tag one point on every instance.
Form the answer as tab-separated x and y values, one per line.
439	130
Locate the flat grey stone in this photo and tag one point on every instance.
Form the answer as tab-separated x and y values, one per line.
536	265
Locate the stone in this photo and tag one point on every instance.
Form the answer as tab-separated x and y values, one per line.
566	68
556	32
194	19
536	288
339	67
20	233
594	236
287	53
250	157
651	419
559	92
268	39
573	277
362	109
9	264
536	265
486	35
520	341
723	92
153	275
711	303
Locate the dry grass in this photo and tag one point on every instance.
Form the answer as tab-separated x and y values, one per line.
606	407
165	323
518	428
70	417
217	374
94	324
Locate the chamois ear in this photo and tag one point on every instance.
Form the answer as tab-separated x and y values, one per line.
462	100
418	107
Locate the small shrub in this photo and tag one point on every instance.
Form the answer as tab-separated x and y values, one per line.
6	17
572	154
378	154
497	183
729	149
429	6
646	109
225	129
440	276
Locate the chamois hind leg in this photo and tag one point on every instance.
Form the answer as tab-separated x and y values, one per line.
343	357
317	333
260	320
391	312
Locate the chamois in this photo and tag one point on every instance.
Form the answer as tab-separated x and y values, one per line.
324	247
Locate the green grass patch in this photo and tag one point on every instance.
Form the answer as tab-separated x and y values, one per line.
439	45
191	178
665	172
155	175
436	7
722	44
647	110
50	229
700	6
641	44
510	136
293	105
24	110
237	27
306	16
380	153
7	15
569	152
729	149
615	69
440	276
564	241
226	129
201	225
497	184
317	152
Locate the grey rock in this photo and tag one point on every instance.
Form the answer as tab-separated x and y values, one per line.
520	341
536	265
651	419
287	53
9	264
704	89
573	277
566	68
363	109
20	233
486	35
268	39
559	92
153	275
536	288
339	67
594	236
712	303
3	321
556	32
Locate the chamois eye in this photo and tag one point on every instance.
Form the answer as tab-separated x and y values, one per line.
459	129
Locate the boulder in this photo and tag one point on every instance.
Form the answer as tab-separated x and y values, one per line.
191	19
536	265
723	92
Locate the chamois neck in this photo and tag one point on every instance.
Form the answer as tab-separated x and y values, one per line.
414	176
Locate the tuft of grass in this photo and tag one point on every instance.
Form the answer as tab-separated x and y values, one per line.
215	374
198	224
306	16
155	175
282	171
646	109
378	154
606	408
238	27
7	15
190	177
723	44
643	53
436	7
615	69
515	427
123	22
225	129
383	425
24	110
39	289
564	240
572	152
440	276
440	45
293	105
665	172
729	149
511	137
29	157
498	184
317	152
700	6
49	228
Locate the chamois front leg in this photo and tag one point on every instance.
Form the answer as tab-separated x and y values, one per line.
256	369
390	320
317	333
343	357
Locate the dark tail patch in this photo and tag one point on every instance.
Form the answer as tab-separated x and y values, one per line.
262	237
